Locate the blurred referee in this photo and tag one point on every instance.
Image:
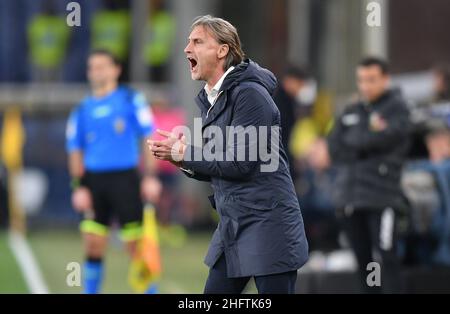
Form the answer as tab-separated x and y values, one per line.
104	136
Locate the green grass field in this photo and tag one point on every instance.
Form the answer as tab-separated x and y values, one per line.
11	280
183	268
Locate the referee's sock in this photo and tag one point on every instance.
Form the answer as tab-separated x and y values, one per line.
152	289
93	275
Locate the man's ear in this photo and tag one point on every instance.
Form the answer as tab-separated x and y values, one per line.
119	71
223	51
387	78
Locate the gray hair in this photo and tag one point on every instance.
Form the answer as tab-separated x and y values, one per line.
225	34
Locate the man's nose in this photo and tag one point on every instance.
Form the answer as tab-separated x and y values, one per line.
188	48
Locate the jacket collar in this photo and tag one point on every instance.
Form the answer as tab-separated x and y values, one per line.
233	78
227	81
230	80
386	96
216	88
209	116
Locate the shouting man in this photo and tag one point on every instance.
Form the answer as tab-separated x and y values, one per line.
261	231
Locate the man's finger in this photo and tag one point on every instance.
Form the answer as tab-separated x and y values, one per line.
160	149
165	133
161	156
159	144
162	145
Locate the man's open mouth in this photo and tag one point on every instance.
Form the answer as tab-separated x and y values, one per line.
193	63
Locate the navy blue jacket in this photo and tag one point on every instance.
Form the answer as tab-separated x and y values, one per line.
261	228
369	163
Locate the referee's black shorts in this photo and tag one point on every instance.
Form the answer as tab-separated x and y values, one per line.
115	196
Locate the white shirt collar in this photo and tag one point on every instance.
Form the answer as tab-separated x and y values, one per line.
214	92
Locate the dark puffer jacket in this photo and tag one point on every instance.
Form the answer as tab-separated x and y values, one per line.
261	227
369	162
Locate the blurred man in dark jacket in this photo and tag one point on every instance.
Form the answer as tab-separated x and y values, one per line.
368	146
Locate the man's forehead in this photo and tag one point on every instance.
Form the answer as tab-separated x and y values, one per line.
199	31
99	58
372	69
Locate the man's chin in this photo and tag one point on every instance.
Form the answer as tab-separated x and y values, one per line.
97	85
195	76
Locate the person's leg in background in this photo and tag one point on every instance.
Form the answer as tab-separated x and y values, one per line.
356	228
128	206
95	232
383	230
219	283
95	238
130	234
283	283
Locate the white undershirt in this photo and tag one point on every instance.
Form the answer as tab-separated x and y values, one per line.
214	92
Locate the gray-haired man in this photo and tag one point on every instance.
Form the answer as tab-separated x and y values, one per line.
261	232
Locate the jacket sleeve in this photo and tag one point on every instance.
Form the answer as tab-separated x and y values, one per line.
191	174
365	140
251	109
333	141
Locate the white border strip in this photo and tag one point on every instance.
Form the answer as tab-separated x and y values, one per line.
27	263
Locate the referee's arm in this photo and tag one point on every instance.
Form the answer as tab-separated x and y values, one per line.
74	145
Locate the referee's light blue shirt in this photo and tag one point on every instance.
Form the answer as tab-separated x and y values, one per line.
109	130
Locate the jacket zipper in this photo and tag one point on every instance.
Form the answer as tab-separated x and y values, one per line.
207	113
